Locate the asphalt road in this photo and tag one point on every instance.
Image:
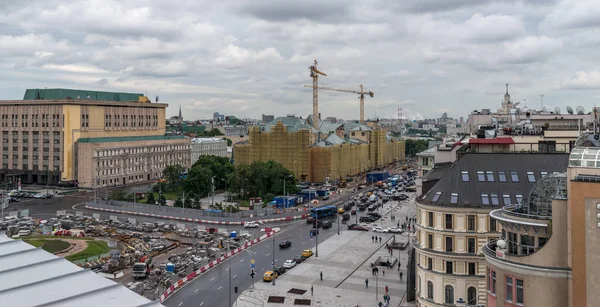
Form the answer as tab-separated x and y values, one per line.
212	288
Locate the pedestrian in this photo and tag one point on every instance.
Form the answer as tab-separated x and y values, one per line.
401	275
379	239
367	282
386	289
311	290
383	271
321	275
398	266
387	246
398	225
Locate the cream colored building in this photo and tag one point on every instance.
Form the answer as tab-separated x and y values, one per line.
453	222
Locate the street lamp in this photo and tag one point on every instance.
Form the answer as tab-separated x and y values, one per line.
284	194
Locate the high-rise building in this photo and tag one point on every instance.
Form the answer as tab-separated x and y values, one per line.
86	138
267	118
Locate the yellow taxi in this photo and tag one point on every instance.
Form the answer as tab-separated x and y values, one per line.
269	276
307	253
341	210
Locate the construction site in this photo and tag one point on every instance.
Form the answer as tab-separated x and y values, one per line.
315	149
146	257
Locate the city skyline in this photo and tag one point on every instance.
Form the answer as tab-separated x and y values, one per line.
247	58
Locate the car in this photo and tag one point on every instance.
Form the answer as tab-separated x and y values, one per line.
269	276
345	217
307	253
317	224
299	259
374	214
314	231
351	226
279	271
394	230
366	219
380	229
372	207
285	244
353	212
310	219
327	224
251	225
288	264
359	228
341	210
326	197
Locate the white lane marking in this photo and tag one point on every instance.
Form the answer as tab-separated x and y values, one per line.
267	245
304	242
242	260
219	288
180	304
201	303
268	254
227	269
276	260
212	279
293	248
156	291
197	290
234	276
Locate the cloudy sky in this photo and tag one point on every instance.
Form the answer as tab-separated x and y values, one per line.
251	57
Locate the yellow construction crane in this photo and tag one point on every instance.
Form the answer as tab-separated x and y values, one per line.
314	73
362	93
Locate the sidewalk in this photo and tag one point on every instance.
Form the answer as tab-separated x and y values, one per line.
345	261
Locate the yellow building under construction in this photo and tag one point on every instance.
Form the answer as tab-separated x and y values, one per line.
314	161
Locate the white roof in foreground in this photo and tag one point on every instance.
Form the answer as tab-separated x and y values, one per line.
30	276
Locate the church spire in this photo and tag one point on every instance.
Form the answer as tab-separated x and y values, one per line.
181	118
506	88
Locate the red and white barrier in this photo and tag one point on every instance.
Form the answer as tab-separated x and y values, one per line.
180	283
169	217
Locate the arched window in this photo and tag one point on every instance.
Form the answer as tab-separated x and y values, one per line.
449	295
430	290
471	296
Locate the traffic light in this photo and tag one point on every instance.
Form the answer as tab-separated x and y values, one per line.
235	289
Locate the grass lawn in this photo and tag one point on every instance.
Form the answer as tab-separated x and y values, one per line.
51	246
94	248
170	195
28	238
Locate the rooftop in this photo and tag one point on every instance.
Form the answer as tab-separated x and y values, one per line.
206	140
62	93
130	138
30	276
493	179
499	140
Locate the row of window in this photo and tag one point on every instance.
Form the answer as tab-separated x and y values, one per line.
128	120
449	294
449	244
35	122
449	222
115	152
26	166
514	287
471	267
490	176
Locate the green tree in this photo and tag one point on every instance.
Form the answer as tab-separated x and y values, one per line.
264	179
221	168
412	147
118	194
150	199
162	200
198	181
229	141
178	203
173	174
159	186
189	203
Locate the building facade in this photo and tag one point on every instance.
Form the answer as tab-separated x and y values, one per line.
40	135
236	130
208	146
548	252
453	222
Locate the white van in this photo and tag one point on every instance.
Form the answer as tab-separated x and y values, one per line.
251	225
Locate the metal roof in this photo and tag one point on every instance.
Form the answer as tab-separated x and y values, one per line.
483	164
207	140
130	138
503	140
62	93
30	276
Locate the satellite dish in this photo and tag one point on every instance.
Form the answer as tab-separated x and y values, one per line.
557	110
580	110
569	110
544	109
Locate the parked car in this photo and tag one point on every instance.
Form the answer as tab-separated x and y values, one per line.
251	225
307	253
374	214
353	212
326	197
380	229
327	224
352	225
299	259
269	276
341	210
288	264
317	224
345	217
314	231
279	271
359	228
310	219
372	207
367	219
394	230
285	244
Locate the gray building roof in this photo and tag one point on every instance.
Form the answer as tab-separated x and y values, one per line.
30	276
292	123
510	174
334	139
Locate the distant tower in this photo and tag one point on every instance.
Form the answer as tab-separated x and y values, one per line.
180	117
506	104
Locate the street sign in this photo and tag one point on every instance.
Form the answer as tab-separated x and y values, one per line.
252	261
252	266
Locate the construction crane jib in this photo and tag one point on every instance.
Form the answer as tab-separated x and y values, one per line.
362	94
314	73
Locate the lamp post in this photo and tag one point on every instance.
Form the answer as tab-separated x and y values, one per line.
284	194
273	258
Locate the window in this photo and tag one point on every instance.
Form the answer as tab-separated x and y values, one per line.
485	199
449	295
512	243
471	245
542	241
480	176
430	219
506	199
429	241
449	221
454	198
436	197
471	222
430	290
495	200
472	268
449	267
519	291
514	177
543	174
430	264
465	176
493	224
519	198
471	296
449	247
490	176
530	177
547	146
493	282
509	289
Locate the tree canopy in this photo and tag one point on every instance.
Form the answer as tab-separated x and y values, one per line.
412	147
262	179
198	181
173	174
221	168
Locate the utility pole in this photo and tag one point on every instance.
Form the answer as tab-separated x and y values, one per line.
273	257
228	252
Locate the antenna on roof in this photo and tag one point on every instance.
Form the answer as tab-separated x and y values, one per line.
156	99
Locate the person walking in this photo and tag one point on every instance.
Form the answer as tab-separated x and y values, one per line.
321	275
383	271
401	275
367	282
311	290
379	239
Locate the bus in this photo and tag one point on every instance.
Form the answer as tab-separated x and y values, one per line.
323	212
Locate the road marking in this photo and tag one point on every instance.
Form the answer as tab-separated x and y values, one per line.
234	276
276	260
201	303
180	304
212	278
267	245
197	290
219	288
242	260
156	291
304	242
227	269
268	254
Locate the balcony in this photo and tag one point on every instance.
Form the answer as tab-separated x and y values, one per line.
516	214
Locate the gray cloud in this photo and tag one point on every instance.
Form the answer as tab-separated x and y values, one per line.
315	10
